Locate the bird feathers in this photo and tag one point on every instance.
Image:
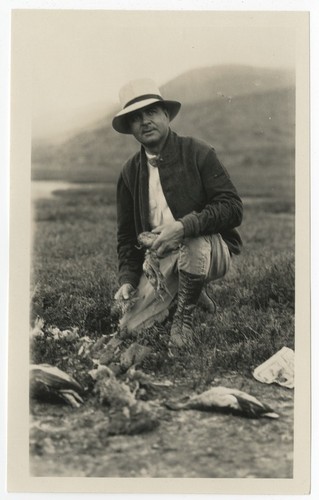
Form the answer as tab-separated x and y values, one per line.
52	384
224	399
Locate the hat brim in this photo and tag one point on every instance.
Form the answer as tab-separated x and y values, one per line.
120	121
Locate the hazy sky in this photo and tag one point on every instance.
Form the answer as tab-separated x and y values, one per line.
80	59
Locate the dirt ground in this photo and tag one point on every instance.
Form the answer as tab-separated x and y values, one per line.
185	444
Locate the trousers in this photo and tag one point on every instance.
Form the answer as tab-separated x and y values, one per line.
207	256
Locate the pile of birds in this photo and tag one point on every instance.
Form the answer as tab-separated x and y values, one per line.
134	397
52	384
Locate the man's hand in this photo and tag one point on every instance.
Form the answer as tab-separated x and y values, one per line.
169	237
125	292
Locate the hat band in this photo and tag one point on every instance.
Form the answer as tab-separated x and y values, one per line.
143	98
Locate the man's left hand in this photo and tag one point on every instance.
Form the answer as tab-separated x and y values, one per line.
169	237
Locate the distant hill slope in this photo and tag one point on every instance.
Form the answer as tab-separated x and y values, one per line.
254	129
206	84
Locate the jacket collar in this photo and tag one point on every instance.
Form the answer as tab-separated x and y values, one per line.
169	151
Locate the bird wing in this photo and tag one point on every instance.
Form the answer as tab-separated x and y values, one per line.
239	394
256	407
253	410
53	377
246	403
245	395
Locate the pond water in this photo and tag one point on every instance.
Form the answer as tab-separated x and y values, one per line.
45	189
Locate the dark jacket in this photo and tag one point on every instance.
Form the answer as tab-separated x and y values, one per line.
197	189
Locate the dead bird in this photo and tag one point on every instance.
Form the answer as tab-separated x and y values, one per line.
146	239
151	265
49	383
111	391
127	415
224	399
147	387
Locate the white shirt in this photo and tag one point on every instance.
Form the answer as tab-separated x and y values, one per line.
160	212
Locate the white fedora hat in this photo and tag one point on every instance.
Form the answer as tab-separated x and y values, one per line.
138	94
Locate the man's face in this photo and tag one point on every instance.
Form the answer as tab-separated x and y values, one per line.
150	125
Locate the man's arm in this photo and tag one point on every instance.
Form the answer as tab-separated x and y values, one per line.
130	259
222	212
224	208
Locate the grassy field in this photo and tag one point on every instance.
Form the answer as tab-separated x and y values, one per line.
74	278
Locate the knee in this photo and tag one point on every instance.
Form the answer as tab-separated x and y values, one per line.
221	259
195	256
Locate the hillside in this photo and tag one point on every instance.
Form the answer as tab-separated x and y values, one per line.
253	133
206	84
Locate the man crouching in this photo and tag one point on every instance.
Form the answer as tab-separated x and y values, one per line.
177	188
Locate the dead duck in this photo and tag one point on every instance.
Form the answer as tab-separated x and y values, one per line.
49	383
151	265
111	391
224	399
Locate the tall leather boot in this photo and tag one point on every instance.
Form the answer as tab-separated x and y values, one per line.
189	290
206	302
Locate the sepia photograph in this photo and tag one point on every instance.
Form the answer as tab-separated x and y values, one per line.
160	188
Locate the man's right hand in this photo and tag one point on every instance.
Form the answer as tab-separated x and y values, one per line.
125	292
